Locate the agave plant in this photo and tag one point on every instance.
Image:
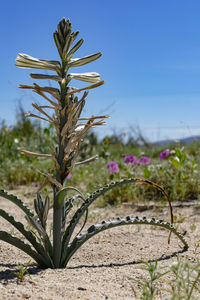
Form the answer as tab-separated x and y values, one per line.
70	129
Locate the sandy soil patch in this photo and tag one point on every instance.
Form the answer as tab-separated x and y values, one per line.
100	269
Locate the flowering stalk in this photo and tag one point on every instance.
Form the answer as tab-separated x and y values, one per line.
66	118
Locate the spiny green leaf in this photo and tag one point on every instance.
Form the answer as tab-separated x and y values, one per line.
95	229
93	197
16	201
88	201
6	237
27	234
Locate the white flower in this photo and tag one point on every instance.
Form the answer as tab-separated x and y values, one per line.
27	61
79	128
88	77
76	62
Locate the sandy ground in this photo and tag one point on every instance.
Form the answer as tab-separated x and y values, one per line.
102	266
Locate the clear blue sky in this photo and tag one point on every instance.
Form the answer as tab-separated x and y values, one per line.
150	62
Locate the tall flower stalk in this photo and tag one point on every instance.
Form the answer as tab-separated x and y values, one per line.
67	108
63	111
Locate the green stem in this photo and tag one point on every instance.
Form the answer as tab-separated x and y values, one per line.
58	208
193	286
57	227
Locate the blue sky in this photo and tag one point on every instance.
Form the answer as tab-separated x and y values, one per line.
150	62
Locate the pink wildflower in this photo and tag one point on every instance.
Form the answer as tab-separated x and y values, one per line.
144	160
131	159
164	154
112	167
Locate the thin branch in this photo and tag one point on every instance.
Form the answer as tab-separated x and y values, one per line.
65	127
41	111
93	118
46	180
76	154
95	157
92	86
45	97
77	137
29	115
52	180
87	127
47	106
52	91
29	153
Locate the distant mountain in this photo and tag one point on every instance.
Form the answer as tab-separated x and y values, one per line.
183	141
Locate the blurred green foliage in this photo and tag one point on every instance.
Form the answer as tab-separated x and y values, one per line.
178	174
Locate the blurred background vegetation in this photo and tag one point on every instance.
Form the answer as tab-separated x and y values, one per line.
178	174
